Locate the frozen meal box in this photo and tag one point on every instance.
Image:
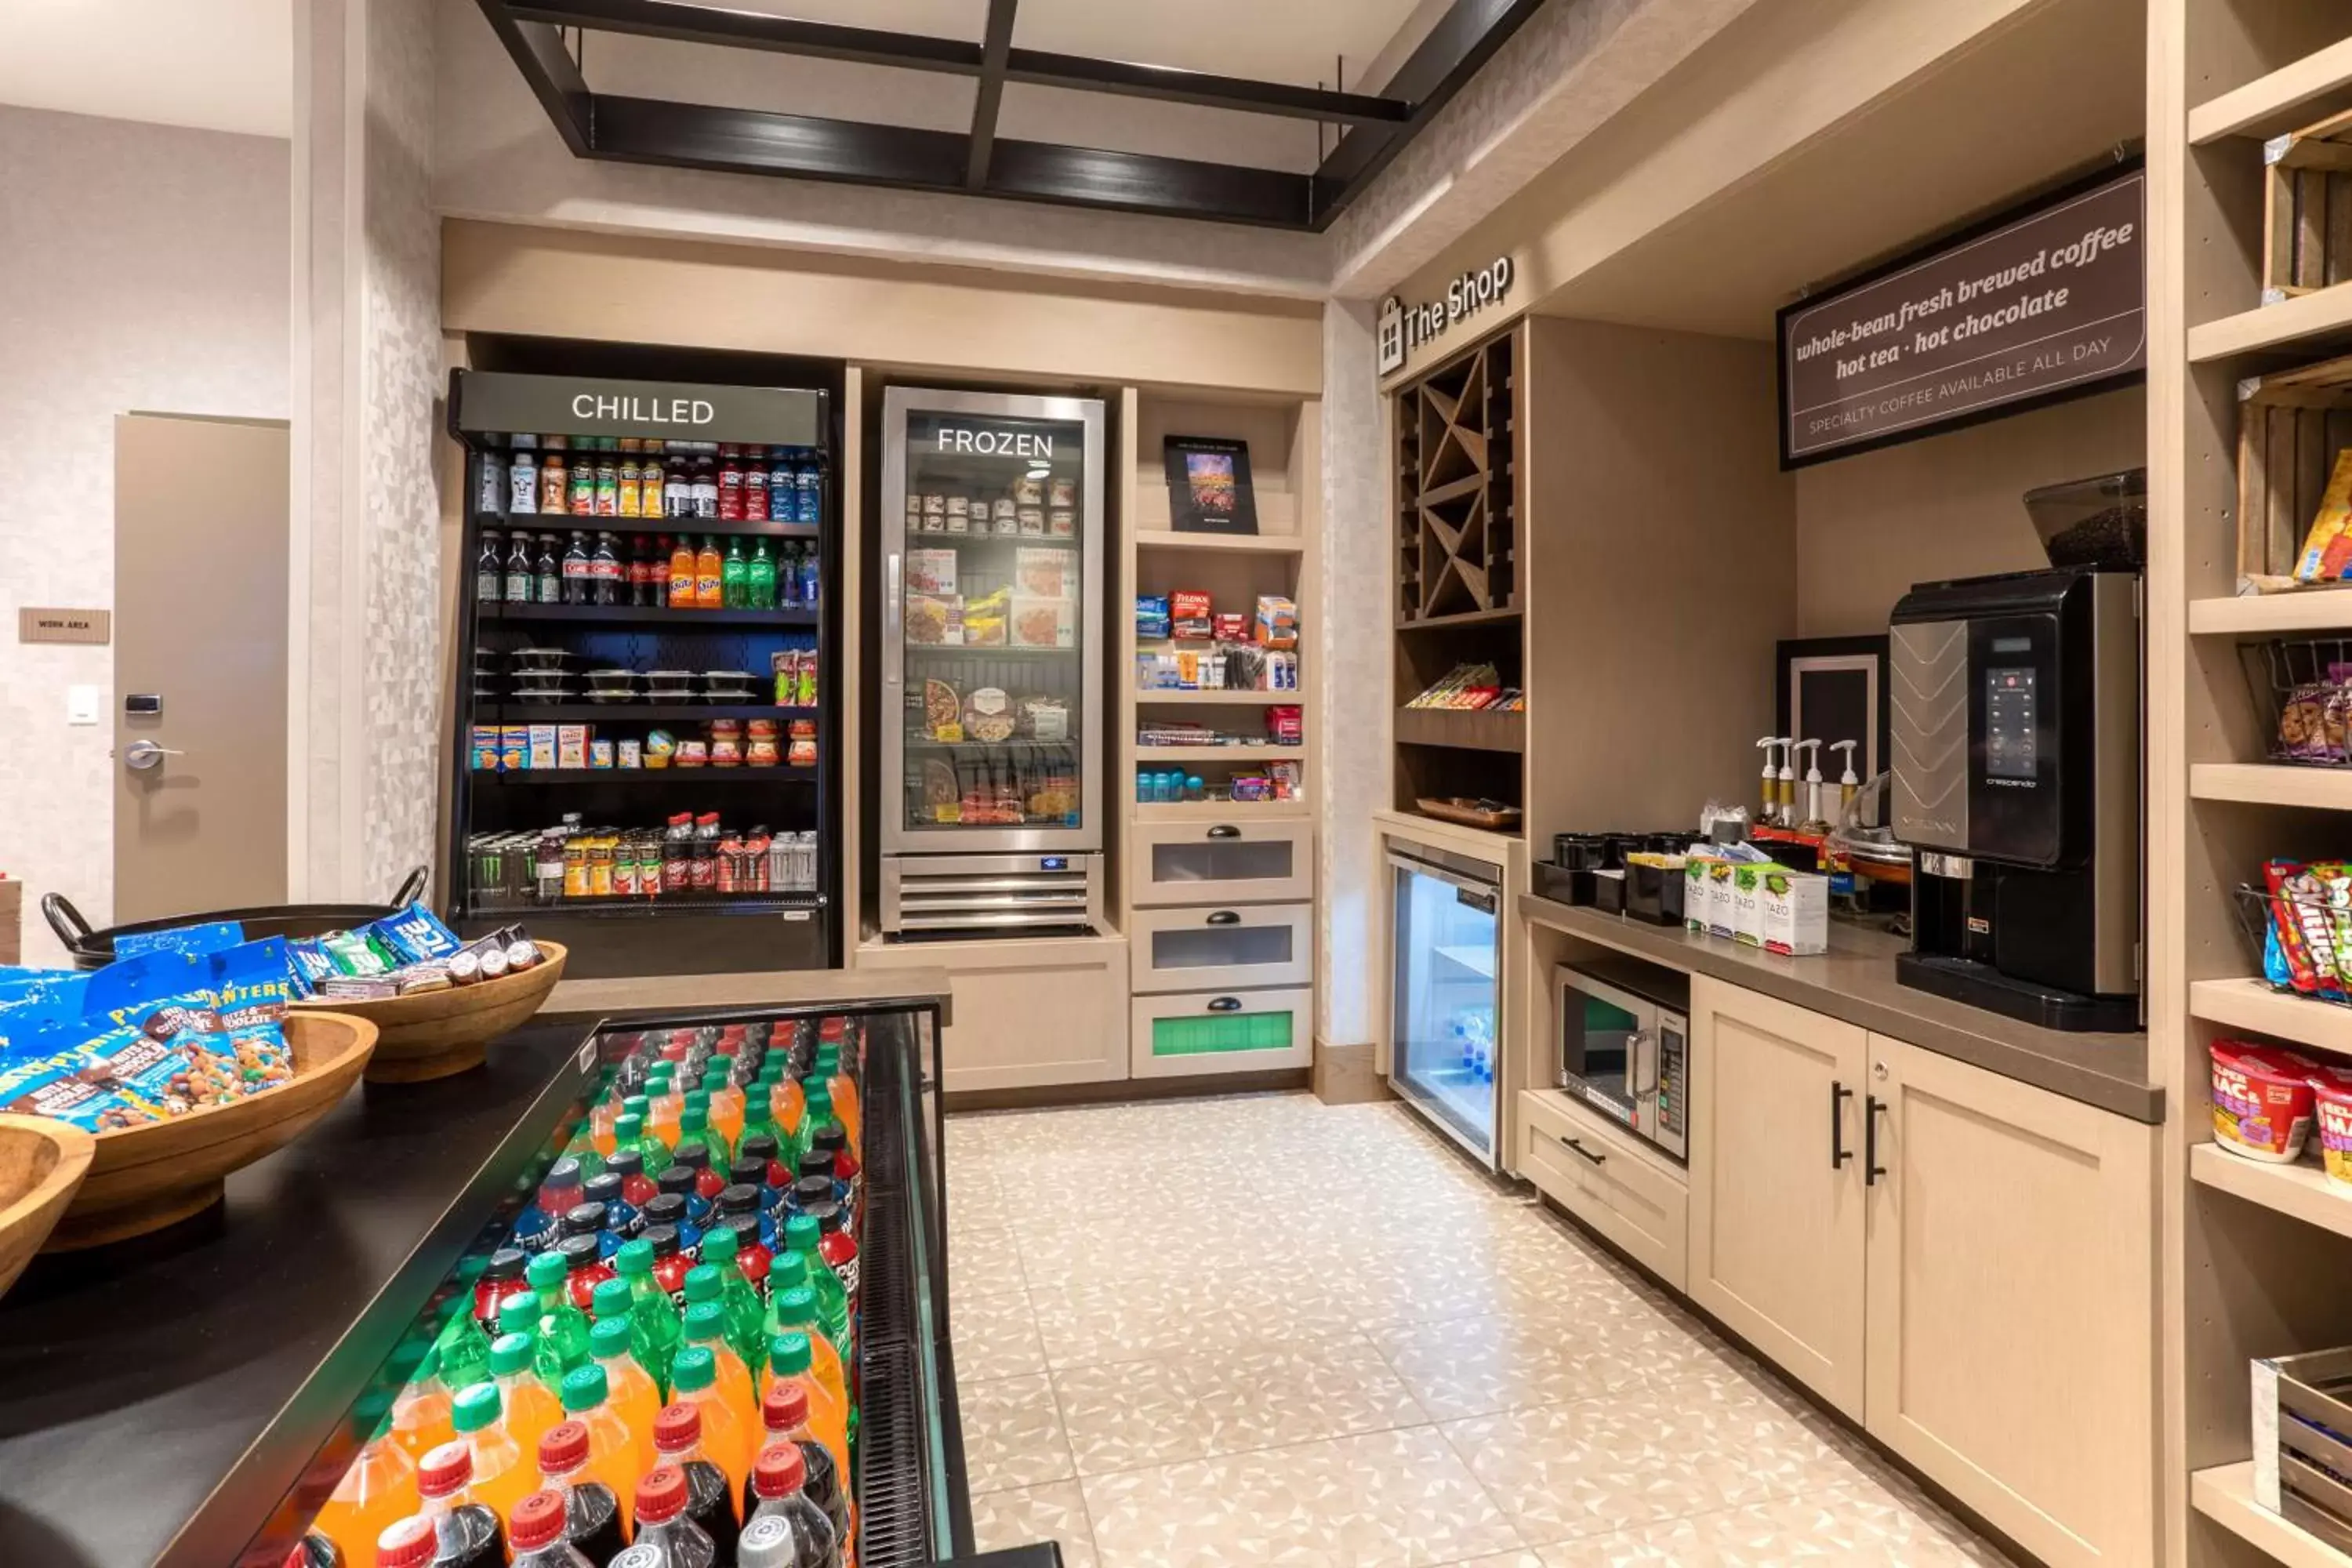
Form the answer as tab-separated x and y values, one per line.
1043	623
930	571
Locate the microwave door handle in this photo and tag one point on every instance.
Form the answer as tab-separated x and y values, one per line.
1642	1062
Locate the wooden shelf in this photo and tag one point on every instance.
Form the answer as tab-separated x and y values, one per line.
1469	729
2250	1004
1228	544
631	712
1463	618
672	774
1221	697
1215	810
2272	614
2304	1192
2319	314
1146	755
2225	1494
2274	103
2273	783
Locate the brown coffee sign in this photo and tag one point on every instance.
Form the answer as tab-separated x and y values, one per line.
2047	304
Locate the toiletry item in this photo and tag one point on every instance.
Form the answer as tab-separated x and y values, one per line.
1848	786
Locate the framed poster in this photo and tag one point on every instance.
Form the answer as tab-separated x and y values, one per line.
1835	689
1209	486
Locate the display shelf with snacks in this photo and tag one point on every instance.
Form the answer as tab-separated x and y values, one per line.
1177	812
2297	1190
1221	544
644	616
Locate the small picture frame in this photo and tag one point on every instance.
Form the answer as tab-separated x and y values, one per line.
1209	486
1835	689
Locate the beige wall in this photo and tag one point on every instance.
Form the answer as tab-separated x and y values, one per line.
141	267
1870	526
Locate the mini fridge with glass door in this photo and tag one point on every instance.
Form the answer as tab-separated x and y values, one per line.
1445	1014
992	655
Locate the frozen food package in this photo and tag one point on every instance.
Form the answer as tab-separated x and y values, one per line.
935	620
1045	572
930	571
1043	623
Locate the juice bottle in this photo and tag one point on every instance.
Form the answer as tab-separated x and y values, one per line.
503	1473
541	1531
795	1312
746	1315
726	1437
669	1533
785	1527
529	1406
802	1236
706	1325
378	1490
562	1327
634	1394
784	1412
611	1446
682	564
789	1362
466	1533
584	1267
653	1322
629	1164
709	575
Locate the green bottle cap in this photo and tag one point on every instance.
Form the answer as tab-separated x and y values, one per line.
718	1249
787	1271
696	1119
628	1128
723	1063
546	1271
820	1102
519	1314
635	1105
634	1258
796	1306
511	1353
801	1233
695	1368
699	1099
706	1321
476	1408
612	1299
789	1355
584	1388
704	1283
469	1268
609	1339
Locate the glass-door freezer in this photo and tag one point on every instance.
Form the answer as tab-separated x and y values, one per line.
1445	1039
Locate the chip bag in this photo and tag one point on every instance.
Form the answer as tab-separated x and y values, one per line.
192	939
416	934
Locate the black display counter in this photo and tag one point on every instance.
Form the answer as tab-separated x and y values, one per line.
187	1399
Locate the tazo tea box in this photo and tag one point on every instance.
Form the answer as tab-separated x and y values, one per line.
1793	908
1699	894
1748	903
1719	910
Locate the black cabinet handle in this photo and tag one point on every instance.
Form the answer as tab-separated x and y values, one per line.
1871	1169
1838	1152
1224	918
1581	1149
1224	830
1226	1004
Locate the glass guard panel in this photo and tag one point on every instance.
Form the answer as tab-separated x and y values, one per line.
994	580
1446	1037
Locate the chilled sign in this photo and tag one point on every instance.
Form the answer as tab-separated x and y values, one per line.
1404	328
591	405
2046	304
496	404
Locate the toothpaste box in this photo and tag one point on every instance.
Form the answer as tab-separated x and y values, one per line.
1792	911
542	747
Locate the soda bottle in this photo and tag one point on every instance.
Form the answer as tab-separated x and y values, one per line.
727	1105
725	1435
634	1394
759	579
465	1533
754	1257
682	566
671	1261
583	1256
790	1361
838	1248
706	1325
378	1489
531	1407
734	576
746	1314
742	1200
795	1312
813	1190
673	1209
620	1221
540	1530
537	1229
562	1327
653	1322
818	1112
843	1093
520	578
547	578
420	1411
788	1531
709	575
784	1412
698	1143
611	1455
669	1534
788	1104
802	1236
315	1550
501	1472
605	572
755	1163
579	580
463	1350
629	1164
501	1277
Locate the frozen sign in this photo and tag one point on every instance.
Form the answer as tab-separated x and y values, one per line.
2043	305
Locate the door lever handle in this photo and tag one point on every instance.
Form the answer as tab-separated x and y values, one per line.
143	755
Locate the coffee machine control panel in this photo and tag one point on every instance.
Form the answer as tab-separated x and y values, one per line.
2015	812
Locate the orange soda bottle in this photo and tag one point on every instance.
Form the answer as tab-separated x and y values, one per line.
788	1358
611	1446
531	1407
787	1104
845	1095
795	1309
706	1325
631	1392
726	1437
503	1475
420	1419
727	1101
378	1490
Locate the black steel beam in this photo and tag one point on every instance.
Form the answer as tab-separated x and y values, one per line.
996	43
539	53
1465	39
1144	183
753	30
1040	68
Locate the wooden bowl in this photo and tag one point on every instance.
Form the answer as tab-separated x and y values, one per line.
42	1164
144	1178
437	1033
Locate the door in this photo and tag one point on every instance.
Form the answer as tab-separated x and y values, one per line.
1776	1210
2011	1291
1447	946
992	623
200	612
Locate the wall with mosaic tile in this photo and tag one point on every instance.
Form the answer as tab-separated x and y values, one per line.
1352	646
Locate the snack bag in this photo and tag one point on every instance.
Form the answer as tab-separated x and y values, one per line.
251	986
131	990
309	963
2311	914
196	940
358	953
2328	550
417	935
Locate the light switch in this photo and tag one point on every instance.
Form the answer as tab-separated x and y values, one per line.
81	704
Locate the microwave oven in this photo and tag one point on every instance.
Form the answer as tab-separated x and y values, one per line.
1624	1036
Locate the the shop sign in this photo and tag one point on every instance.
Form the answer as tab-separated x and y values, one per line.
2041	304
497	403
1404	328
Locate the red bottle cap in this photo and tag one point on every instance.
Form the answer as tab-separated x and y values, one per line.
564	1447
661	1495
446	1469
537	1521
678	1426
408	1544
781	1471
784	1406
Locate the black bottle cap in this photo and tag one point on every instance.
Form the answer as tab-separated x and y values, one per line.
743	1197
506	1263
662	1239
678	1179
811	1191
833	1137
586	1219
695	1156
827	1214
760	1146
625	1162
564	1173
748	1171
580	1252
746	1227
815	1163
604	1189
668	1209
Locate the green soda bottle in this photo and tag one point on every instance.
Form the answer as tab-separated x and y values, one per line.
464	1348
819	1112
759	1113
734	576
612	1298
562	1327
745	1317
591	1163
787	1272
800	1239
694	1129
653	1320
629	1132
759	579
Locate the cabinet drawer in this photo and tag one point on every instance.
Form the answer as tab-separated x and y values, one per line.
1195	948
1224	862
1223	1031
1622	1192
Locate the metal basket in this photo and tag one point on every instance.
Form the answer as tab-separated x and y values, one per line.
2303	697
2256	909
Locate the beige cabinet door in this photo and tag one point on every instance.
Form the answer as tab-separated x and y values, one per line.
2011	1304
1776	1215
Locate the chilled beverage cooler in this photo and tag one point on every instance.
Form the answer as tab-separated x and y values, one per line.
642	747
992	585
1443	1006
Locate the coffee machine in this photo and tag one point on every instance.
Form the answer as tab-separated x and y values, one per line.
2016	733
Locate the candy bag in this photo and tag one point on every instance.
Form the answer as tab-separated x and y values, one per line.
195	939
358	953
416	935
2311	916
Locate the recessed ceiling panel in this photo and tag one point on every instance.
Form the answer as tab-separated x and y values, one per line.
779	84
1168	130
1294	41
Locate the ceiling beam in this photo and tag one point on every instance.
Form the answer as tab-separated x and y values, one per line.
1040	68
537	51
753	30
996	44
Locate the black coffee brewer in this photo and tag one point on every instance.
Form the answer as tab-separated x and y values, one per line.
2017	758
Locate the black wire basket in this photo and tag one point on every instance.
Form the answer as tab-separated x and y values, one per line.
2324	924
2303	699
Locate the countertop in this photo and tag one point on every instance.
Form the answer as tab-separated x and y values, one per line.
1855	981
586	1001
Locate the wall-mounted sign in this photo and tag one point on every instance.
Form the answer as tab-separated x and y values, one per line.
1009	443
1404	328
63	626
494	403
2041	304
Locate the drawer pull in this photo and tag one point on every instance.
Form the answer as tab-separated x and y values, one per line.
1871	1169
1582	1152
1224	918
1226	1004
1224	830
1838	1152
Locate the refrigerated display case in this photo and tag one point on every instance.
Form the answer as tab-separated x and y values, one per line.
683	748
992	587
1447	946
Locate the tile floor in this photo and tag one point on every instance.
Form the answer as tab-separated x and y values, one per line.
1266	1332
